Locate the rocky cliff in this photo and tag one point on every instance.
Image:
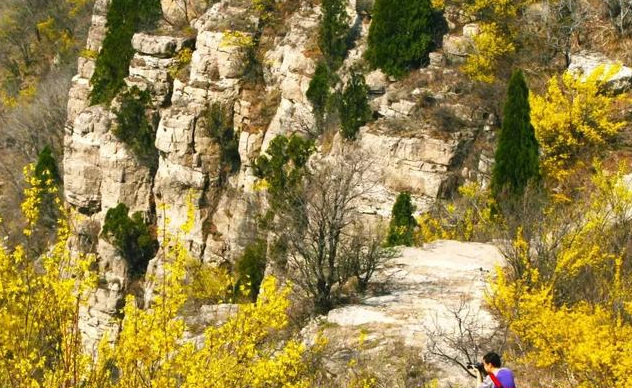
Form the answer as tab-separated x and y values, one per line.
427	137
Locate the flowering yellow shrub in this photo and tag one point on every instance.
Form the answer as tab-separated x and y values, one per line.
491	44
575	118
498	19
466	219
39	306
568	306
40	341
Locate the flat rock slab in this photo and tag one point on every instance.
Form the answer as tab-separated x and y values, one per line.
422	289
422	284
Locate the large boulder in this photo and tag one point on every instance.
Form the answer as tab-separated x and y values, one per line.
585	62
159	45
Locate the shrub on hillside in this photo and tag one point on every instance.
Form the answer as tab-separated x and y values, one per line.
283	167
251	268
402	225
221	130
400	36
134	129
46	164
354	106
131	236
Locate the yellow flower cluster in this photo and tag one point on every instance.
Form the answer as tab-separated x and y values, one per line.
575	119
40	340
466	219
569	306
491	44
496	38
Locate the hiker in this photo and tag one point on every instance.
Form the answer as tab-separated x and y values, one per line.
497	377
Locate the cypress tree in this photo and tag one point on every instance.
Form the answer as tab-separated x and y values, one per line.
318	91
400	35
124	18
333	37
517	151
354	106
402	223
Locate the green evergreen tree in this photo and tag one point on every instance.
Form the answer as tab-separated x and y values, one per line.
220	129
46	162
283	167
402	223
251	267
124	18
131	236
400	36
354	106
517	152
134	129
318	91
333	37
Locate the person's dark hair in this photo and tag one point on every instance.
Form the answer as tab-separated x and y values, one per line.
492	358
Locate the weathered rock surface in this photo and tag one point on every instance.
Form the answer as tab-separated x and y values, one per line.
422	289
158	46
586	62
411	151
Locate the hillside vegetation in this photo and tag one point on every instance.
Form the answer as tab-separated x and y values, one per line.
557	200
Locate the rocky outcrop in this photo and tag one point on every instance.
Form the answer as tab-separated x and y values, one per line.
586	62
411	151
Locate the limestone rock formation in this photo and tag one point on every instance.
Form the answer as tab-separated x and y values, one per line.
261	96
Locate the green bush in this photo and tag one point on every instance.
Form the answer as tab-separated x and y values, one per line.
402	225
131	237
251	268
333	34
354	106
517	154
400	36
284	168
124	18
46	162
221	130
134	129
318	91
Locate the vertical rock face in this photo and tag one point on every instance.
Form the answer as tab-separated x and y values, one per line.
410	151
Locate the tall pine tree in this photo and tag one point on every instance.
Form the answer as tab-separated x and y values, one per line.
354	106
333	36
517	157
400	35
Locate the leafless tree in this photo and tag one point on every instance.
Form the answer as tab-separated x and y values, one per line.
620	13
321	227
363	253
559	28
468	337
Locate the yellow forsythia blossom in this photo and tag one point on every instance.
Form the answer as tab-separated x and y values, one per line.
575	118
491	44
569	306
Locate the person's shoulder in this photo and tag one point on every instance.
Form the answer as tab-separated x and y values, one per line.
506	377
504	371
